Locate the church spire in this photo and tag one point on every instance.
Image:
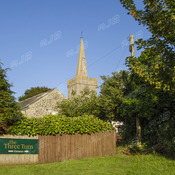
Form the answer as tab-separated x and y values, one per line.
81	82
81	67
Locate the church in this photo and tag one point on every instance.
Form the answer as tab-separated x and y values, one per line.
81	81
45	103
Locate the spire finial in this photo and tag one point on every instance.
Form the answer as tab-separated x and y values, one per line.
81	34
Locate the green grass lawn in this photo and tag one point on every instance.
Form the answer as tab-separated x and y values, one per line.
130	165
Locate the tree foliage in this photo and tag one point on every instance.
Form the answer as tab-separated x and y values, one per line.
156	64
86	103
9	109
113	89
155	69
32	92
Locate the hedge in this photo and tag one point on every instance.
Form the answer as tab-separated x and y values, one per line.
55	124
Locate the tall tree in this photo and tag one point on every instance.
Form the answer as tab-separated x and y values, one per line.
9	109
113	89
155	69
157	63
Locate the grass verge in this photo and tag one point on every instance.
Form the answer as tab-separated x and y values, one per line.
124	165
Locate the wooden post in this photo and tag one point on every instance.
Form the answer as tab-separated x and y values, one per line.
138	127
132	46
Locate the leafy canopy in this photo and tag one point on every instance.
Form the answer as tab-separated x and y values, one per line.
113	89
157	63
155	69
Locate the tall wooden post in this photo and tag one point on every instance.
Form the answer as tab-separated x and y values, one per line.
138	127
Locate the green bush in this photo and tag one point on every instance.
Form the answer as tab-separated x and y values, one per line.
51	125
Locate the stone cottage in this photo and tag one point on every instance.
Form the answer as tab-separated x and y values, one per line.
42	104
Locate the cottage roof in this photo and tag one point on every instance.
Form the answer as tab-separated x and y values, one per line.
29	101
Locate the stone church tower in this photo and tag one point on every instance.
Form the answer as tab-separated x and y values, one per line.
81	81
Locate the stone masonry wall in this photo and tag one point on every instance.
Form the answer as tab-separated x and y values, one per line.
78	85
45	105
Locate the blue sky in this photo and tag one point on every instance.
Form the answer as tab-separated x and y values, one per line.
39	40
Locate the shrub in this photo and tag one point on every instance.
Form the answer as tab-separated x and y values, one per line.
51	125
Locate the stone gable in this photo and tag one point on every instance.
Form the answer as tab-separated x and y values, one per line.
45	105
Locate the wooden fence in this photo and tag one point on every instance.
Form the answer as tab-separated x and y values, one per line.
59	148
66	147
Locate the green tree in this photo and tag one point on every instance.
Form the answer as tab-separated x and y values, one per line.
155	68
9	109
32	92
113	89
86	103
156	64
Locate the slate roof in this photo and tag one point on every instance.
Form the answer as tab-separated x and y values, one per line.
29	101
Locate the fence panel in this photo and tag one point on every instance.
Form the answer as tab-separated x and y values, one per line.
66	147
